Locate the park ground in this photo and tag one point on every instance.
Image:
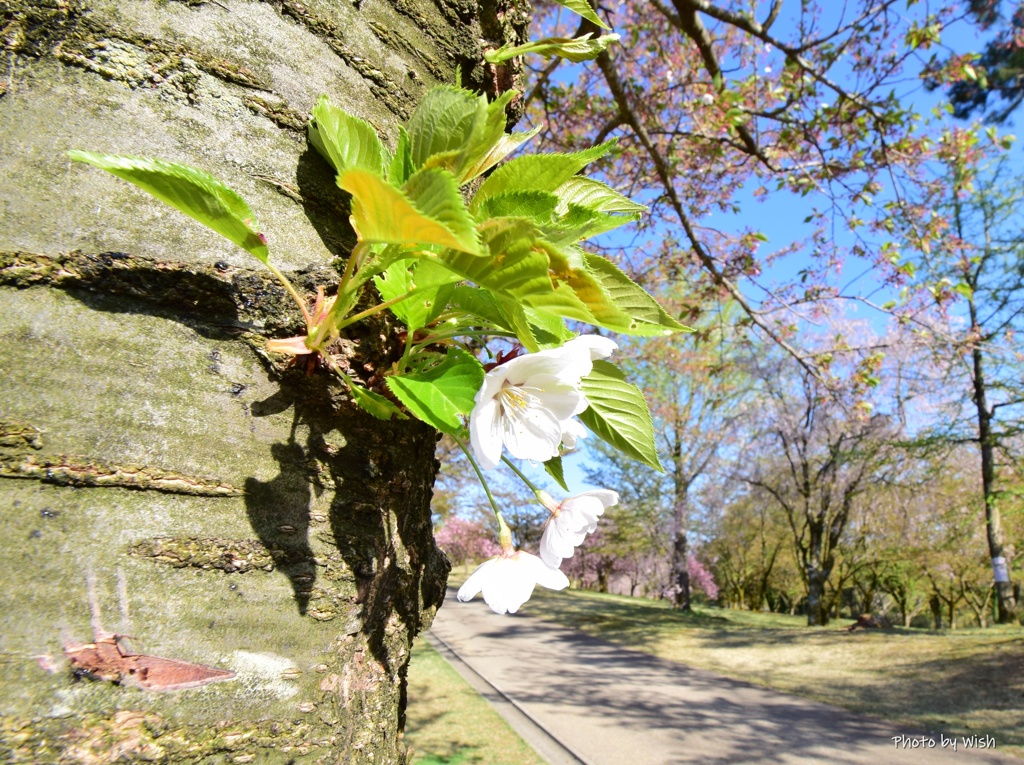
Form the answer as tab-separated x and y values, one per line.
958	682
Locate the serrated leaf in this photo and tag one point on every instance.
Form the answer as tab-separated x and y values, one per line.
401	167
537	172
587	192
433	285
646	316
375	404
436	194
584	9
538	206
440	395
493	144
550	331
618	414
511	266
345	141
553	467
577	50
579	223
423	212
501	313
446	126
195	193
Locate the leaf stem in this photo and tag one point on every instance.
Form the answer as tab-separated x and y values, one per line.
519	473
355	259
291	291
483	482
380	307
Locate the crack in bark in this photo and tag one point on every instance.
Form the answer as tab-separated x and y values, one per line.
69	471
233	556
234	300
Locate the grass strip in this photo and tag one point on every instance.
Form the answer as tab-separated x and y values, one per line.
449	723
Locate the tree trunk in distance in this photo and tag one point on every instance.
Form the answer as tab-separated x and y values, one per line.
231	511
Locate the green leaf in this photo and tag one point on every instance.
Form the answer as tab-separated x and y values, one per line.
440	395
493	144
584	9
537	172
436	194
401	167
618	414
579	223
433	285
553	467
345	141
586	192
538	206
512	265
428	210
577	49
375	404
193	192
447	127
646	316
550	331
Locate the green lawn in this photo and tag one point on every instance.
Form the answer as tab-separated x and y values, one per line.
449	723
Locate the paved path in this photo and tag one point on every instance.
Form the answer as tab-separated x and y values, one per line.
578	699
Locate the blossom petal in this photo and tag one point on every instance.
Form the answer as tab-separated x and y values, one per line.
600	347
554	394
477	581
584	509
532	435
485	433
571	432
544	575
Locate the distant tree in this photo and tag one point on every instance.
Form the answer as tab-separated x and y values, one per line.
820	454
465	541
976	276
695	388
746	540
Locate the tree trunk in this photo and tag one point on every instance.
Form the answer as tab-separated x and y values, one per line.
999	551
230	511
680	568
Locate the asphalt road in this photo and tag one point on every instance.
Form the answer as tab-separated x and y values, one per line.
578	699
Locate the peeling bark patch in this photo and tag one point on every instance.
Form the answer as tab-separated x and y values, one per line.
20	435
234	556
127	736
66	471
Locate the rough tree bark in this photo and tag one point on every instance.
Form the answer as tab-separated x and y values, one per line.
232	511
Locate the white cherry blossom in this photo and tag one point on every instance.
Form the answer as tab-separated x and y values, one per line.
527	403
507	581
570	522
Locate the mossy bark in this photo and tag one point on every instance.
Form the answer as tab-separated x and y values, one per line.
228	510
